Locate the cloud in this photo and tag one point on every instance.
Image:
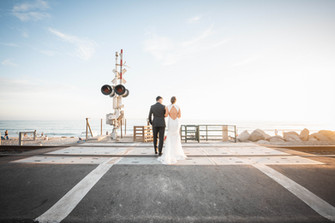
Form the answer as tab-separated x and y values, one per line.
84	48
25	34
48	52
9	44
158	46
194	19
169	52
8	62
31	10
246	61
197	39
26	85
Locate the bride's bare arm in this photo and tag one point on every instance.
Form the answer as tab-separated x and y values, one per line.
166	112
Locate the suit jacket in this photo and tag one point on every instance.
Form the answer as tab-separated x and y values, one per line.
158	111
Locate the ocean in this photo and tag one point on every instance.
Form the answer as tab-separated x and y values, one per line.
57	128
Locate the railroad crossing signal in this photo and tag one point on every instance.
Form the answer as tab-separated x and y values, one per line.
117	91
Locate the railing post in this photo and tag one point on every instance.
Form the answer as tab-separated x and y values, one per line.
235	133
86	129
34	135
225	133
197	130
20	139
101	128
142	133
185	133
206	132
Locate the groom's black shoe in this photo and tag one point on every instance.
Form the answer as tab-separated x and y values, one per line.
160	154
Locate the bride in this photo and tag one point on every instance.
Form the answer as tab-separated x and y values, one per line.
173	150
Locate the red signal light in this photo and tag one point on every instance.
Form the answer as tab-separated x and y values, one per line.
106	89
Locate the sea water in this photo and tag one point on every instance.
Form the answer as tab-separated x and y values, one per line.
77	128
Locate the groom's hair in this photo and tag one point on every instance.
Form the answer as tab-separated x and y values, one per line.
158	97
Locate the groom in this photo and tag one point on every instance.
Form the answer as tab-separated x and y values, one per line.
158	124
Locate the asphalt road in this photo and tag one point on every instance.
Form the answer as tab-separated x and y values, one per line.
161	193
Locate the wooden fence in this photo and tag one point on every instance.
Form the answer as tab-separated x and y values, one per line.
143	133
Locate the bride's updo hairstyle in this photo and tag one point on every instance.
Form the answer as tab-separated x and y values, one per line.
173	100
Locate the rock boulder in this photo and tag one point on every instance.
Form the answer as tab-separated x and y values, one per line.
244	136
304	134
257	135
311	138
276	139
319	136
262	141
329	134
291	137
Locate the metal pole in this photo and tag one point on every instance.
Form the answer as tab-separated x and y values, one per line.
116	58
185	133
121	128
198	133
86	128
121	57
20	139
206	132
125	126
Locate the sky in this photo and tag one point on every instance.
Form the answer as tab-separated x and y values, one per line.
259	61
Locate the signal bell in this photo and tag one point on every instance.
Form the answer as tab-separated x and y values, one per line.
106	89
126	93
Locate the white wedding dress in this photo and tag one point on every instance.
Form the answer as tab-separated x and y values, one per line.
172	151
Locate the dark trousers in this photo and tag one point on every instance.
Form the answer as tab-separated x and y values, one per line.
160	131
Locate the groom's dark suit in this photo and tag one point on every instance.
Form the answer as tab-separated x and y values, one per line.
158	124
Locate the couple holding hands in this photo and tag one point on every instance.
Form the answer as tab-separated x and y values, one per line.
173	150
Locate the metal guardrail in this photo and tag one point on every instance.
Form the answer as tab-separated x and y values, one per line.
21	139
208	133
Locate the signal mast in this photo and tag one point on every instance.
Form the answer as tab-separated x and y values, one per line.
117	91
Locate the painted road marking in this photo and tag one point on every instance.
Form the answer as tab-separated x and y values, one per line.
189	144
89	151
196	156
317	204
63	160
209	158
248	154
281	160
71	199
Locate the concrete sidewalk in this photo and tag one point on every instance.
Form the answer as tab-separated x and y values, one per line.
225	182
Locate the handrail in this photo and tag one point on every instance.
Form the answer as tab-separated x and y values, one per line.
203	131
21	139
